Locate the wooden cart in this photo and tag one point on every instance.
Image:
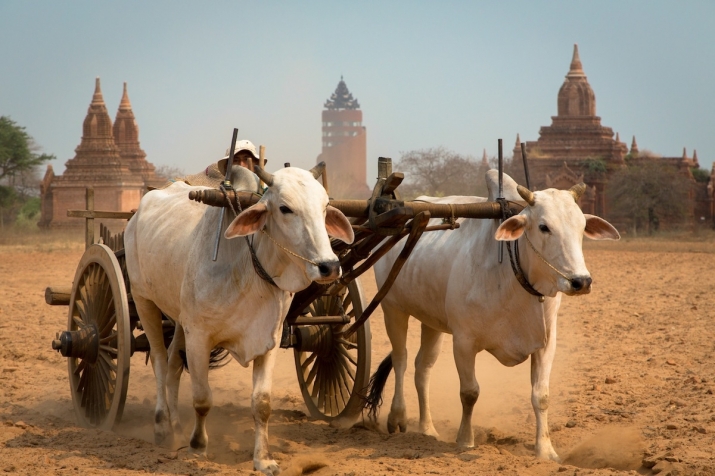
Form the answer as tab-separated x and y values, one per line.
326	326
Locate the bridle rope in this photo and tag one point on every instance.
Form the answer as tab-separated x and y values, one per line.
544	259
287	250
260	271
257	267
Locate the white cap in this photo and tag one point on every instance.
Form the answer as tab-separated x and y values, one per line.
243	145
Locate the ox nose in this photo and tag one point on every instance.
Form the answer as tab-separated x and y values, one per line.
329	269
581	283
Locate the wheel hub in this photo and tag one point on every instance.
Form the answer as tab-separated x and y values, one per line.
82	343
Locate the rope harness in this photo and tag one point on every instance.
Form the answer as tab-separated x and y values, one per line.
514	258
259	269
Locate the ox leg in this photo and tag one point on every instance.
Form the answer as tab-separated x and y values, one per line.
197	356
541	362
396	322
430	348
261	406
464	357
173	377
150	317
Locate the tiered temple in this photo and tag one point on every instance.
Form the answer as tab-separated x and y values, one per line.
576	147
109	159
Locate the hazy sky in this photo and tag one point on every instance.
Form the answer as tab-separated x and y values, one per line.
426	74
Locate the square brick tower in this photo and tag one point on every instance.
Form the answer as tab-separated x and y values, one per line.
344	145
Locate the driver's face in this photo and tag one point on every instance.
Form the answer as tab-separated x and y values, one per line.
243	157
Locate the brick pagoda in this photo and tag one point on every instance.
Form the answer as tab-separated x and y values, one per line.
109	159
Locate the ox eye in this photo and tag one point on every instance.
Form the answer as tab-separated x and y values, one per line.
285	210
544	228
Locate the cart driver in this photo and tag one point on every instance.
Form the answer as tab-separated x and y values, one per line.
243	153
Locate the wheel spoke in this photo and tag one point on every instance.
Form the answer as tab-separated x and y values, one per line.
110	362
344	363
108	339
308	361
80	367
77	320
316	384
109	324
313	372
347	355
321	391
348	344
109	349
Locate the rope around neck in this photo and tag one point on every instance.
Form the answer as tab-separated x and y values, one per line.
257	267
544	259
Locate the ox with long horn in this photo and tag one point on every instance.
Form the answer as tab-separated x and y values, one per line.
526	194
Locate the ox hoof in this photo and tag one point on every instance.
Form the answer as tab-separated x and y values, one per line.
430	432
396	420
267	466
393	427
548	455
164	437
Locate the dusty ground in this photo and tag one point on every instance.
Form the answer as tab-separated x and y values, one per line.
631	389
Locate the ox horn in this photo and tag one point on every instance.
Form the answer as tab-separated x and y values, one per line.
263	175
318	170
577	190
526	194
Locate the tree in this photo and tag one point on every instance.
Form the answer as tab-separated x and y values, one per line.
17	150
439	172
649	193
19	160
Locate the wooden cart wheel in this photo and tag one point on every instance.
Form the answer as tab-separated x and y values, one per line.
100	335
333	372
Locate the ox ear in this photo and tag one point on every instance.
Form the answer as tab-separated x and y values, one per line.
248	221
338	225
599	229
511	229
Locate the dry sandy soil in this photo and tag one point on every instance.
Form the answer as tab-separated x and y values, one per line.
631	389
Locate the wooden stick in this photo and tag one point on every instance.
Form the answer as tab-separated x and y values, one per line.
262	159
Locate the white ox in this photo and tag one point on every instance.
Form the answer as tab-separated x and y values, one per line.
453	283
169	245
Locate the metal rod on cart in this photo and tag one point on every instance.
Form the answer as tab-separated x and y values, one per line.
227	186
501	194
526	166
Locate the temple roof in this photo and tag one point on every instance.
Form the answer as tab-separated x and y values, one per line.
342	98
576	97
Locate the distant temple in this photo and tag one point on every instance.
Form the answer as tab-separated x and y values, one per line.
577	148
108	158
344	145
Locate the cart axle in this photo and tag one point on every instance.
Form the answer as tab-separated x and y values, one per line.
82	343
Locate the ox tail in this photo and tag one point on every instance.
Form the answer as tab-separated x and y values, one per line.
373	397
217	359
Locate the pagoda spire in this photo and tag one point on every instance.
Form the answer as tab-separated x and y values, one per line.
618	137
342	98
126	136
124	103
485	161
685	155
576	69
518	140
634	146
97	98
